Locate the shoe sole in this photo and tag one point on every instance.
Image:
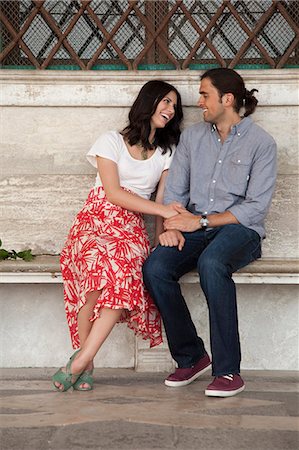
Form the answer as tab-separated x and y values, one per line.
211	393
186	382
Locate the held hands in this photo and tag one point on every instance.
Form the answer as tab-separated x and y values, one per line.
173	209
177	220
183	221
173	238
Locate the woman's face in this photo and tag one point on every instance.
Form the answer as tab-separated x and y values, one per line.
165	111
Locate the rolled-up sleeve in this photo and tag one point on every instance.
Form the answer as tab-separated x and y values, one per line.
253	209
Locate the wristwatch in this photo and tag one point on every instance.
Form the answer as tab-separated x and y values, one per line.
204	222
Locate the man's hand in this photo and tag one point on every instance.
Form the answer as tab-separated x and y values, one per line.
185	221
172	238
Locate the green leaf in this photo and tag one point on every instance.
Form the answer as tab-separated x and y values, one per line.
4	254
26	255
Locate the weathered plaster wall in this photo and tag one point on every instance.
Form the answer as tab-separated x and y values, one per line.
49	120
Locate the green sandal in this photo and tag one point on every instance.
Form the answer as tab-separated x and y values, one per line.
66	378
85	377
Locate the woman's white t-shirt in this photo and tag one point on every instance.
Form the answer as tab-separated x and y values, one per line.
139	176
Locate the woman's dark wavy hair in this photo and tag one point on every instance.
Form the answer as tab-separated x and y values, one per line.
229	81
143	108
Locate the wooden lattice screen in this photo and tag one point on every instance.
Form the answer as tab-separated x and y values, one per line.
168	34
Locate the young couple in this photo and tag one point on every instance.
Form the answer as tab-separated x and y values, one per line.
212	195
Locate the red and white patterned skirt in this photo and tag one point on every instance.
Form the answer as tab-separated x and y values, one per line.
105	250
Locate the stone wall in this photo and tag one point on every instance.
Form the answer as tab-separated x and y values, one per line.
49	120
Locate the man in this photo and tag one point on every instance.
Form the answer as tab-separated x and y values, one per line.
224	172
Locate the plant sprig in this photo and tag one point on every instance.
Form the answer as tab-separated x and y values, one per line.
26	255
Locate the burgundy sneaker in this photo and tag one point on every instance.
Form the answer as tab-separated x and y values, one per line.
184	376
225	386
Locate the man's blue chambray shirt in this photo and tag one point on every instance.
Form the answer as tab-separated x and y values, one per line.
209	177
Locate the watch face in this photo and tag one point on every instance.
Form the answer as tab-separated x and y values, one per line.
204	222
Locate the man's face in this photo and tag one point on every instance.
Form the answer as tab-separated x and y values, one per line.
210	102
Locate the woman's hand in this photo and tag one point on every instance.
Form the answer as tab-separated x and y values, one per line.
173	209
185	221
172	238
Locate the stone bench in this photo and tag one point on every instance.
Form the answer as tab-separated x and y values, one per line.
46	269
33	318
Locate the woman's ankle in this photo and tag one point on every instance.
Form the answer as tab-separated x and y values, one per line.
90	366
80	363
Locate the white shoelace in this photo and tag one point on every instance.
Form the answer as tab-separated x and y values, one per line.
229	377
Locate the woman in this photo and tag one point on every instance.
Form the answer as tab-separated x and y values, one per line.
102	259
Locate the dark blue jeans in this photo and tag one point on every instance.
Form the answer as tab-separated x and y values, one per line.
216	254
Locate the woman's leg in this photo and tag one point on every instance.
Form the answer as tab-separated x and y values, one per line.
84	324
99	332
92	334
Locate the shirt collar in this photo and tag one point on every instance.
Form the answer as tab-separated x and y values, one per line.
242	126
239	128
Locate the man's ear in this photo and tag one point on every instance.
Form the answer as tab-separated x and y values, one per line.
228	99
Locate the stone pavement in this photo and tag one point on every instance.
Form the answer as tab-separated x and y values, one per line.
136	411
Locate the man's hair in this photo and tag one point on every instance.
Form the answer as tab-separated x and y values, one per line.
229	81
139	127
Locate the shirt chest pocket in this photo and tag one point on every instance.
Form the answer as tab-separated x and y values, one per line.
237	175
